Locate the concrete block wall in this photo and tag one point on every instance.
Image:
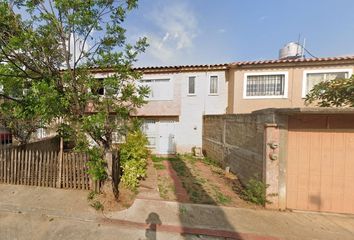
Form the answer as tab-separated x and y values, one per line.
236	141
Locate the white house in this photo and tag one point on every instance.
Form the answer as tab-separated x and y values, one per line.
180	96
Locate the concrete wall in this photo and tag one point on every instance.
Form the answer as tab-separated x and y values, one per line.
237	103
257	143
237	141
245	143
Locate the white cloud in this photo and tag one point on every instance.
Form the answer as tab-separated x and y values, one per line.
262	18
222	30
177	27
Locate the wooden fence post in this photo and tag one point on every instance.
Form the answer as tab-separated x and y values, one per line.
60	158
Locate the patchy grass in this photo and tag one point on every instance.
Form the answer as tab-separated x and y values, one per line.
166	188
211	162
221	198
203	179
159	166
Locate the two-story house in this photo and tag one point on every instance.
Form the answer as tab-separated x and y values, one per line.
179	97
281	83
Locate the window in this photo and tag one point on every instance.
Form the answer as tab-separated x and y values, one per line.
191	85
213	89
265	85
160	89
99	89
311	78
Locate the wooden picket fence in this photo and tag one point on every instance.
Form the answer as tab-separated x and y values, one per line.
44	168
74	171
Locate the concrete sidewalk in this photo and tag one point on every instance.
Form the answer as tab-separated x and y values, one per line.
38	213
244	223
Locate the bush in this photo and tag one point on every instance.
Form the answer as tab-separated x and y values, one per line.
133	157
255	191
96	164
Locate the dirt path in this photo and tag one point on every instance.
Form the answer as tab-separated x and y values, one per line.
186	179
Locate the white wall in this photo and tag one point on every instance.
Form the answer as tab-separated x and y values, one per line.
189	131
188	109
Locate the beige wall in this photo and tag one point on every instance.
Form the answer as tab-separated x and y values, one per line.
237	103
163	107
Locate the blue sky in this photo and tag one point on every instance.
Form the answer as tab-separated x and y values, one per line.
218	31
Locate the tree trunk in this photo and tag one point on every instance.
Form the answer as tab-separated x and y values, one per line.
110	186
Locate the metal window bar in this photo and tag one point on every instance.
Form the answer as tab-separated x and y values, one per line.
265	85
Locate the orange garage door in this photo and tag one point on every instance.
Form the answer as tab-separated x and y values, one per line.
320	166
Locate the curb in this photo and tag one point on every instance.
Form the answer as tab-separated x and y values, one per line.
188	230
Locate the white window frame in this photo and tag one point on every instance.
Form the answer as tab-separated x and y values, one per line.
153	134
170	81
286	80
327	70
218	85
195	90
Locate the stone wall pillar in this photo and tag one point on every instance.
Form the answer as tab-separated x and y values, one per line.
271	164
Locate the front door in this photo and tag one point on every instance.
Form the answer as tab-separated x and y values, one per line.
167	137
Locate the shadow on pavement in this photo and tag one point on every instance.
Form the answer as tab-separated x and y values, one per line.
152	220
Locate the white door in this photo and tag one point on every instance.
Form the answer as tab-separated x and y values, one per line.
167	137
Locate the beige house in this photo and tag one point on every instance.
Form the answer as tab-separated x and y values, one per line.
284	83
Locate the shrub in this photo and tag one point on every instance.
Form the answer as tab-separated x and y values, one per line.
133	157
255	191
96	164
97	205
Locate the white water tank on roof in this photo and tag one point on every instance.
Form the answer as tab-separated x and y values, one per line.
290	51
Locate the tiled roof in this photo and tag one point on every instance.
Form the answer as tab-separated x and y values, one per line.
223	66
183	66
298	60
171	68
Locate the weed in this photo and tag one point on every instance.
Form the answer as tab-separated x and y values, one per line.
217	170
200	180
210	161
183	210
221	198
91	195
255	191
97	205
190	158
157	159
165	188
178	166
159	166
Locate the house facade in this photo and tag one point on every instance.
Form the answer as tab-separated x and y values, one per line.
180	96
284	83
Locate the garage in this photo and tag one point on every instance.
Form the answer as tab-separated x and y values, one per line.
320	163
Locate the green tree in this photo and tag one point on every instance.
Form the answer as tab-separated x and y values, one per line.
48	50
334	93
